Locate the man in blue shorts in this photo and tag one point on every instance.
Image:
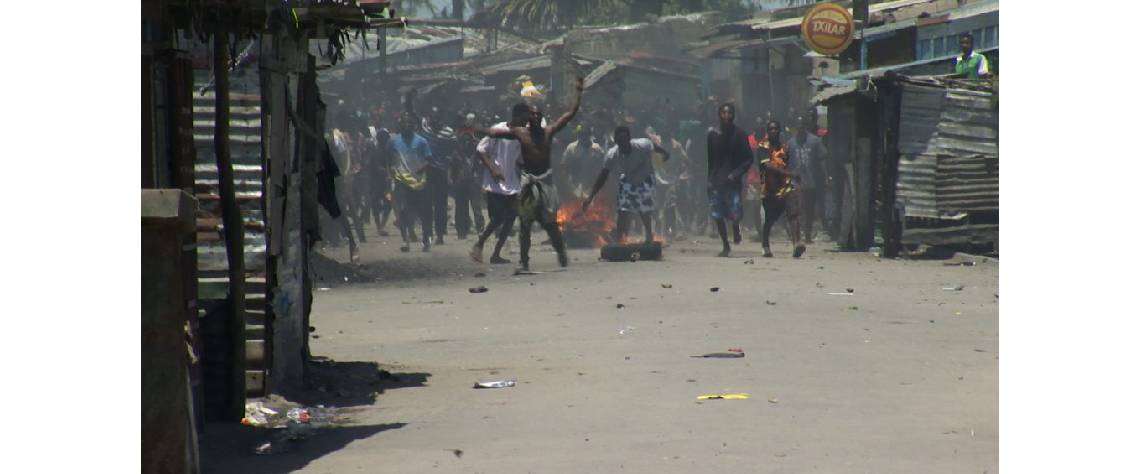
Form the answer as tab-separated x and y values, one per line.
729	159
632	158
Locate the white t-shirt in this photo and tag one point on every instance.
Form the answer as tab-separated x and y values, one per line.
635	166
506	154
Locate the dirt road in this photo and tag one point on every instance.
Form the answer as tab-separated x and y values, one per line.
897	376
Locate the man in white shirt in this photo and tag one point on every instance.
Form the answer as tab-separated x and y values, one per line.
501	186
581	159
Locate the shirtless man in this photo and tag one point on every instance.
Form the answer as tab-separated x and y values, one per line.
538	200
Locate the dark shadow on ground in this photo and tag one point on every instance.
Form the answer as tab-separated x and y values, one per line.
229	447
349	384
331	273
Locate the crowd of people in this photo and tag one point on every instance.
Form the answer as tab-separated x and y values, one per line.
678	171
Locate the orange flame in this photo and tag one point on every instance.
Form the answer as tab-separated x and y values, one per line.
597	222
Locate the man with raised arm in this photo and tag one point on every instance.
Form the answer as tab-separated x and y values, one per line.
538	200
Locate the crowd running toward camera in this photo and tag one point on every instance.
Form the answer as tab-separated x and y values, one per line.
678	168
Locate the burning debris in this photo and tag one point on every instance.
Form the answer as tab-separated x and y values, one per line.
590	229
594	228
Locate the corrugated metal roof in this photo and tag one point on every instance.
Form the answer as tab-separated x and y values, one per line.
410	39
473	89
973	9
876	8
717	47
880	71
598	73
525	64
832	91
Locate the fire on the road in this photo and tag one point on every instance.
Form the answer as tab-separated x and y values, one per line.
593	228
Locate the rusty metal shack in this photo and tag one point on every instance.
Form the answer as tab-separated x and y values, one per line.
232	122
924	159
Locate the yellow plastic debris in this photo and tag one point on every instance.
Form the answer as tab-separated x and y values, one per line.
725	396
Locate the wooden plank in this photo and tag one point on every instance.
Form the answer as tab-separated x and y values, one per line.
231	214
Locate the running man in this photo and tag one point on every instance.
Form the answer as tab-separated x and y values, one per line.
408	169
778	189
806	153
636	183
729	159
501	159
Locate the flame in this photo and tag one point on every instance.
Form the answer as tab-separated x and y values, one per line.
597	222
638	238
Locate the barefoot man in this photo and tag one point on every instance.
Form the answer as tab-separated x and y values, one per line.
729	159
538	200
501	159
632	157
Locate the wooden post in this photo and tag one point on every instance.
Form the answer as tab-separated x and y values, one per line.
148	155
231	219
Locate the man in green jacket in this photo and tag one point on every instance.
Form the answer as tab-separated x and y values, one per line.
970	64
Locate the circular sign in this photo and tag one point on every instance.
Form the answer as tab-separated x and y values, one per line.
828	29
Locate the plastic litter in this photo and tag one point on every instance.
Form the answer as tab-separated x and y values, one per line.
724	396
496	384
721	355
477	289
299	415
264	448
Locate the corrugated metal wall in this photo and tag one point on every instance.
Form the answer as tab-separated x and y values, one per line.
249	177
948	163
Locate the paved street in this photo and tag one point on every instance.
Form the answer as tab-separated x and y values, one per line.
899	376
